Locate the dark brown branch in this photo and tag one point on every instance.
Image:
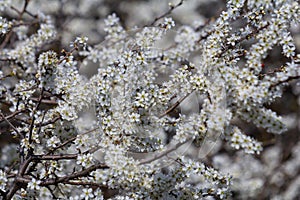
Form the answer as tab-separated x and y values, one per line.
175	105
76	175
10	124
24	9
69	141
54	157
246	37
81	183
172	7
52	121
40	125
20	179
285	81
6	40
164	153
44	101
65	179
15	9
11	115
33	118
8	36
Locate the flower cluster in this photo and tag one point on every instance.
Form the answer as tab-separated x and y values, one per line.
4	25
239	140
3	180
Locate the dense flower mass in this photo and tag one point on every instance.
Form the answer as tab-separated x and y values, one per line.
139	112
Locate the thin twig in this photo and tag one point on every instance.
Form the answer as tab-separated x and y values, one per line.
285	81
52	121
40	125
246	37
44	101
10	124
64	179
6	40
54	157
81	183
162	154
33	118
175	105
172	7
69	141
11	115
